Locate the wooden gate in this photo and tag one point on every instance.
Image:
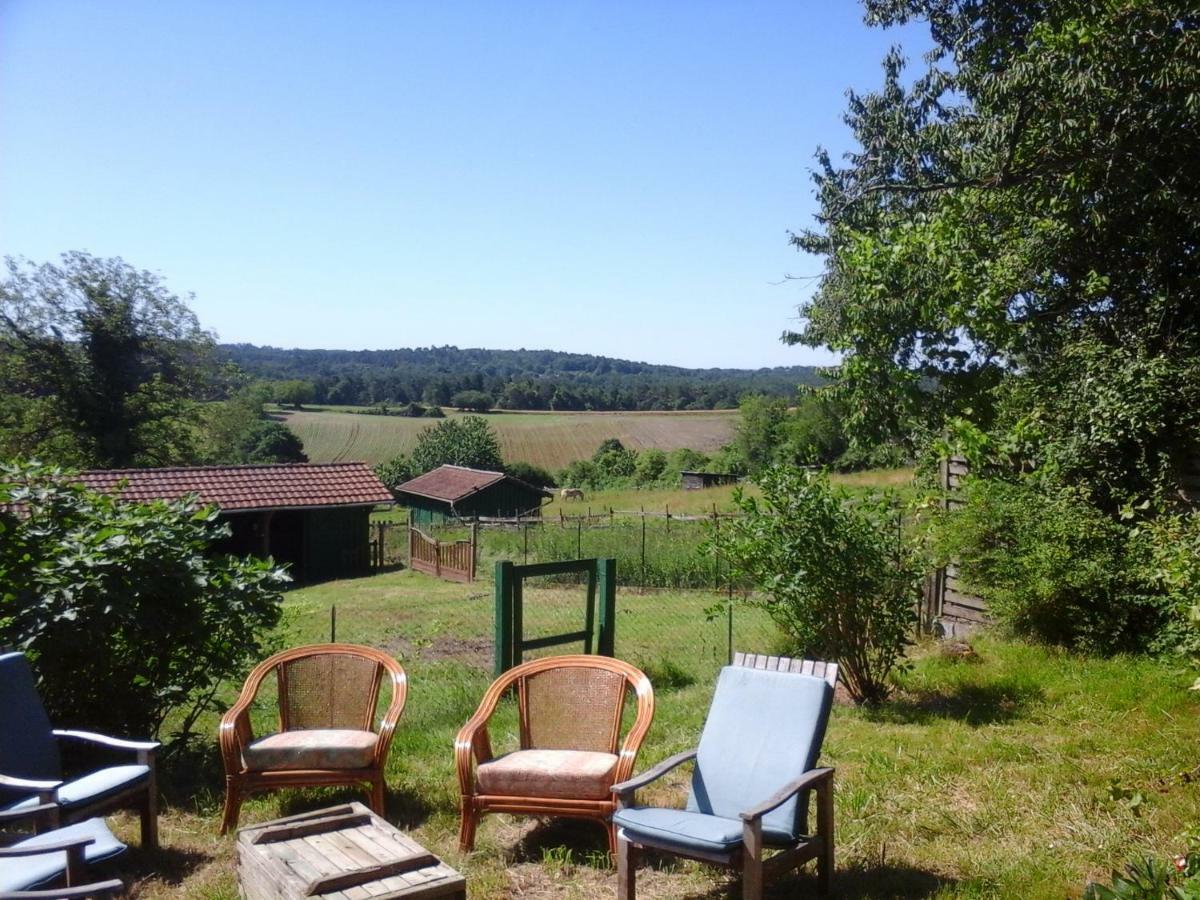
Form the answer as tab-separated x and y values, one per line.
947	602
452	560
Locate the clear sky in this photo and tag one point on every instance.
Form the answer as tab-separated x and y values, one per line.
605	177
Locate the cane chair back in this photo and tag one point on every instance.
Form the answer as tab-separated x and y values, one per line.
328	691
572	709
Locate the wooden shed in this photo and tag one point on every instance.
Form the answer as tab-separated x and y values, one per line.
455	492
694	481
313	517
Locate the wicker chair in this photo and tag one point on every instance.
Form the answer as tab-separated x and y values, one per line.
327	701
569	709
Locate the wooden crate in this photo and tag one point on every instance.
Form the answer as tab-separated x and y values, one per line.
342	853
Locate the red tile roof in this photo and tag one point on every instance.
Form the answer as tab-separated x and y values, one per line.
450	483
243	488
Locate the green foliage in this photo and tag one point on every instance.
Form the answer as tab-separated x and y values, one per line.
760	431
294	392
270	442
838	577
1026	209
434	412
473	401
127	613
1151	878
530	474
650	467
100	365
396	471
1051	565
1167	547
469	441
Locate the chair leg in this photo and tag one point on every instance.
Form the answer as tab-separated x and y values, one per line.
466	831
752	862
825	830
233	805
150	817
612	840
377	795
626	870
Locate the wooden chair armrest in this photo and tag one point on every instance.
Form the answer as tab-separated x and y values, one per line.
234	723
110	888
106	741
821	779
387	724
8	816
49	847
28	784
625	789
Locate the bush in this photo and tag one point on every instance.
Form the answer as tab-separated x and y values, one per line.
434	412
395	471
837	578
469	441
1051	565
530	474
126	613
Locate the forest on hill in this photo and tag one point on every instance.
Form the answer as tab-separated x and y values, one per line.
511	379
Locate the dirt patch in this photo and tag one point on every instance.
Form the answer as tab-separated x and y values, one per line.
476	652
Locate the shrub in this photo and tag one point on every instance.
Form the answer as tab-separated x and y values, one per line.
126	613
469	441
434	412
530	474
1050	564
836	576
395	471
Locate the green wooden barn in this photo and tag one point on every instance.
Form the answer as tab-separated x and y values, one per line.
451	493
312	517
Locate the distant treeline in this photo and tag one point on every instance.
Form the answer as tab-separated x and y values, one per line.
513	379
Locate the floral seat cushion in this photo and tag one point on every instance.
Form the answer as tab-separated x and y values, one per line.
572	774
313	748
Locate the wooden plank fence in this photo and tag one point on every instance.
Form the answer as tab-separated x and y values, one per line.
947	601
452	560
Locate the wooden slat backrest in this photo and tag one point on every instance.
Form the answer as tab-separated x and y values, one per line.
815	667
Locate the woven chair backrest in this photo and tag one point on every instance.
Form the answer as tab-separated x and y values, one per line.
572	708
328	690
27	747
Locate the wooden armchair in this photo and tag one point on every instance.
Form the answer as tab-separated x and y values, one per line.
753	771
327	696
31	777
569	710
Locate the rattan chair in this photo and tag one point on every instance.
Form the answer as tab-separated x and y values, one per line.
569	709
327	735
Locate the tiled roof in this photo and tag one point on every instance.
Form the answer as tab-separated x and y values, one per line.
242	488
450	483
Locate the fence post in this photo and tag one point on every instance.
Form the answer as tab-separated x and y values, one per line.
668	518
333	624
504	620
525	539
437	557
579	538
643	579
606	584
474	547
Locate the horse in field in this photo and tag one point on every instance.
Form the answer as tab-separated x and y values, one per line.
570	494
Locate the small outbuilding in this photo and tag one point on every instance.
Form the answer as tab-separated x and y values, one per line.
314	517
455	492
694	481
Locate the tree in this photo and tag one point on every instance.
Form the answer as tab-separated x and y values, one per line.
128	614
294	392
1031	197
469	441
99	364
270	442
475	401
759	431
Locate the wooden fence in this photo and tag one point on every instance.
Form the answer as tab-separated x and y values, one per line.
452	560
947	601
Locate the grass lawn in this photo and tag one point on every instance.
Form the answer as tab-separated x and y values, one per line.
991	776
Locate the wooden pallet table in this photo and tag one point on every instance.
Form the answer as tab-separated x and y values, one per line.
342	853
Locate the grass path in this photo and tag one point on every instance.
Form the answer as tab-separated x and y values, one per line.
990	776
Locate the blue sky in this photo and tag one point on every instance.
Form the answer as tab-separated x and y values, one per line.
615	178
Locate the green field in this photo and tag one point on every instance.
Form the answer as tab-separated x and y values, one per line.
550	440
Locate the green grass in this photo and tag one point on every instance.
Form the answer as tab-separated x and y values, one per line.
550	440
985	777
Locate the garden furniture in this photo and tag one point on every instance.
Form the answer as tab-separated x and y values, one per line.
753	770
29	866
569	712
327	696
31	769
342	852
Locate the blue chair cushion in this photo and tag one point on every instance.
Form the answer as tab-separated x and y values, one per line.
28	749
94	787
22	873
684	832
764	730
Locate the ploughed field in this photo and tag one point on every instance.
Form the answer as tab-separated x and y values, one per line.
550	440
